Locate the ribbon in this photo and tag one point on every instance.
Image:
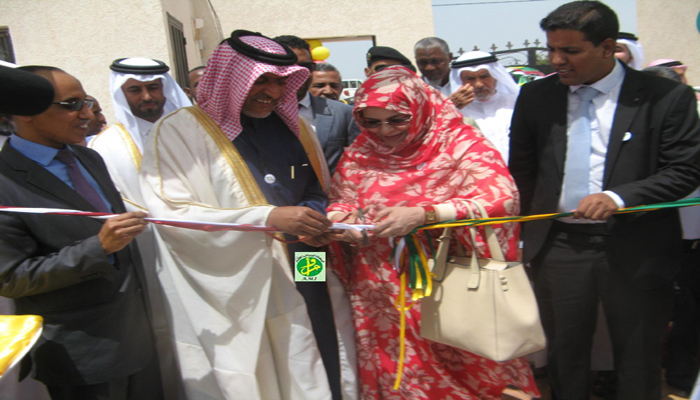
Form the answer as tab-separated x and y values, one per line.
179	223
502	220
225	226
412	262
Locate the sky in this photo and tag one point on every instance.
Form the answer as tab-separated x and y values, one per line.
466	23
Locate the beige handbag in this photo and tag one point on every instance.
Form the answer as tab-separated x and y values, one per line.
489	310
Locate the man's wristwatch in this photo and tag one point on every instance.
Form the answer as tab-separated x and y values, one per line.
430	215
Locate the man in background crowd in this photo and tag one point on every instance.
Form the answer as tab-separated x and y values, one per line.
380	57
326	82
493	95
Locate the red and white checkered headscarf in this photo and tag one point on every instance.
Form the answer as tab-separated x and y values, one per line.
227	80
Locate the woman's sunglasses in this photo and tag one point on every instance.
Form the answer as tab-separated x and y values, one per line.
396	122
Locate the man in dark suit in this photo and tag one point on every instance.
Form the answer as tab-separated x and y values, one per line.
634	141
82	275
332	120
335	127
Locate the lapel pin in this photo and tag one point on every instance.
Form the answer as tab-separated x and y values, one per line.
627	136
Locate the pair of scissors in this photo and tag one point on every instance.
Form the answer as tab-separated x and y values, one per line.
365	237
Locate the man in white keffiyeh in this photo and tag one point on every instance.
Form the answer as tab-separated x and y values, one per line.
495	92
142	92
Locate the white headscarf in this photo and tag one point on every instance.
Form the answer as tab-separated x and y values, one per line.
635	49
505	84
175	98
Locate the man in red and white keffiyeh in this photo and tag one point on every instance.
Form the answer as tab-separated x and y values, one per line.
240	327
230	77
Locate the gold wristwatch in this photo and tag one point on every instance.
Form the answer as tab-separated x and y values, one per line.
430	215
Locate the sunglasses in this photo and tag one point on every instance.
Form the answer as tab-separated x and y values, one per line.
396	122
76	105
311	66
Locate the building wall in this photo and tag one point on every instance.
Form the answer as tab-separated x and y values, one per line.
668	30
84	37
398	24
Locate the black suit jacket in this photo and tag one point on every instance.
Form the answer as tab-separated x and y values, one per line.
95	321
659	162
335	128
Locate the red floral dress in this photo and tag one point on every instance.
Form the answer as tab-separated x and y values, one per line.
442	162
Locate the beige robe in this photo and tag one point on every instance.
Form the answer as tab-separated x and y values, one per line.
240	328
122	153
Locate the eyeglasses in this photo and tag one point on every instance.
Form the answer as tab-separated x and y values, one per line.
396	122
76	105
381	67
311	66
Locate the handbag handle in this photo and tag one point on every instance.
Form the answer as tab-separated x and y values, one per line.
440	262
491	238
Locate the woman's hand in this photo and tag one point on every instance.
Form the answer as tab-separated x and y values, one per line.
398	221
354	237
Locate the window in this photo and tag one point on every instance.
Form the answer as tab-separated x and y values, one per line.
177	43
6	51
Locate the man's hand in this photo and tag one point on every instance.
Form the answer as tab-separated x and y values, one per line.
119	231
463	96
398	221
299	221
598	207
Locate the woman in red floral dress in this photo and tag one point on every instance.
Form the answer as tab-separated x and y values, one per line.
416	162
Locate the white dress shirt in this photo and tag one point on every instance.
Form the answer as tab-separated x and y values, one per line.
605	104
306	111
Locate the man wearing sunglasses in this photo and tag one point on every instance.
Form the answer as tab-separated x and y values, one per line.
82	275
331	120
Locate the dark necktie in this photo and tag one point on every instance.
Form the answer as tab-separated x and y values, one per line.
577	169
80	184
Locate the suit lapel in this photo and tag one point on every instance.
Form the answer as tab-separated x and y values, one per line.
631	97
323	118
102	178
557	105
33	176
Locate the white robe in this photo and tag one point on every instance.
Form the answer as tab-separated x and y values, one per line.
241	330
122	153
493	118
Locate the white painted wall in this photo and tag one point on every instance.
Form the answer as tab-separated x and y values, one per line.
668	30
83	37
395	23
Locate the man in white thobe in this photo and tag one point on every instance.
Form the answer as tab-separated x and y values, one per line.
495	93
240	328
142	92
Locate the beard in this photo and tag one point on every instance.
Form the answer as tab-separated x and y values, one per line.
434	82
146	113
484	95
